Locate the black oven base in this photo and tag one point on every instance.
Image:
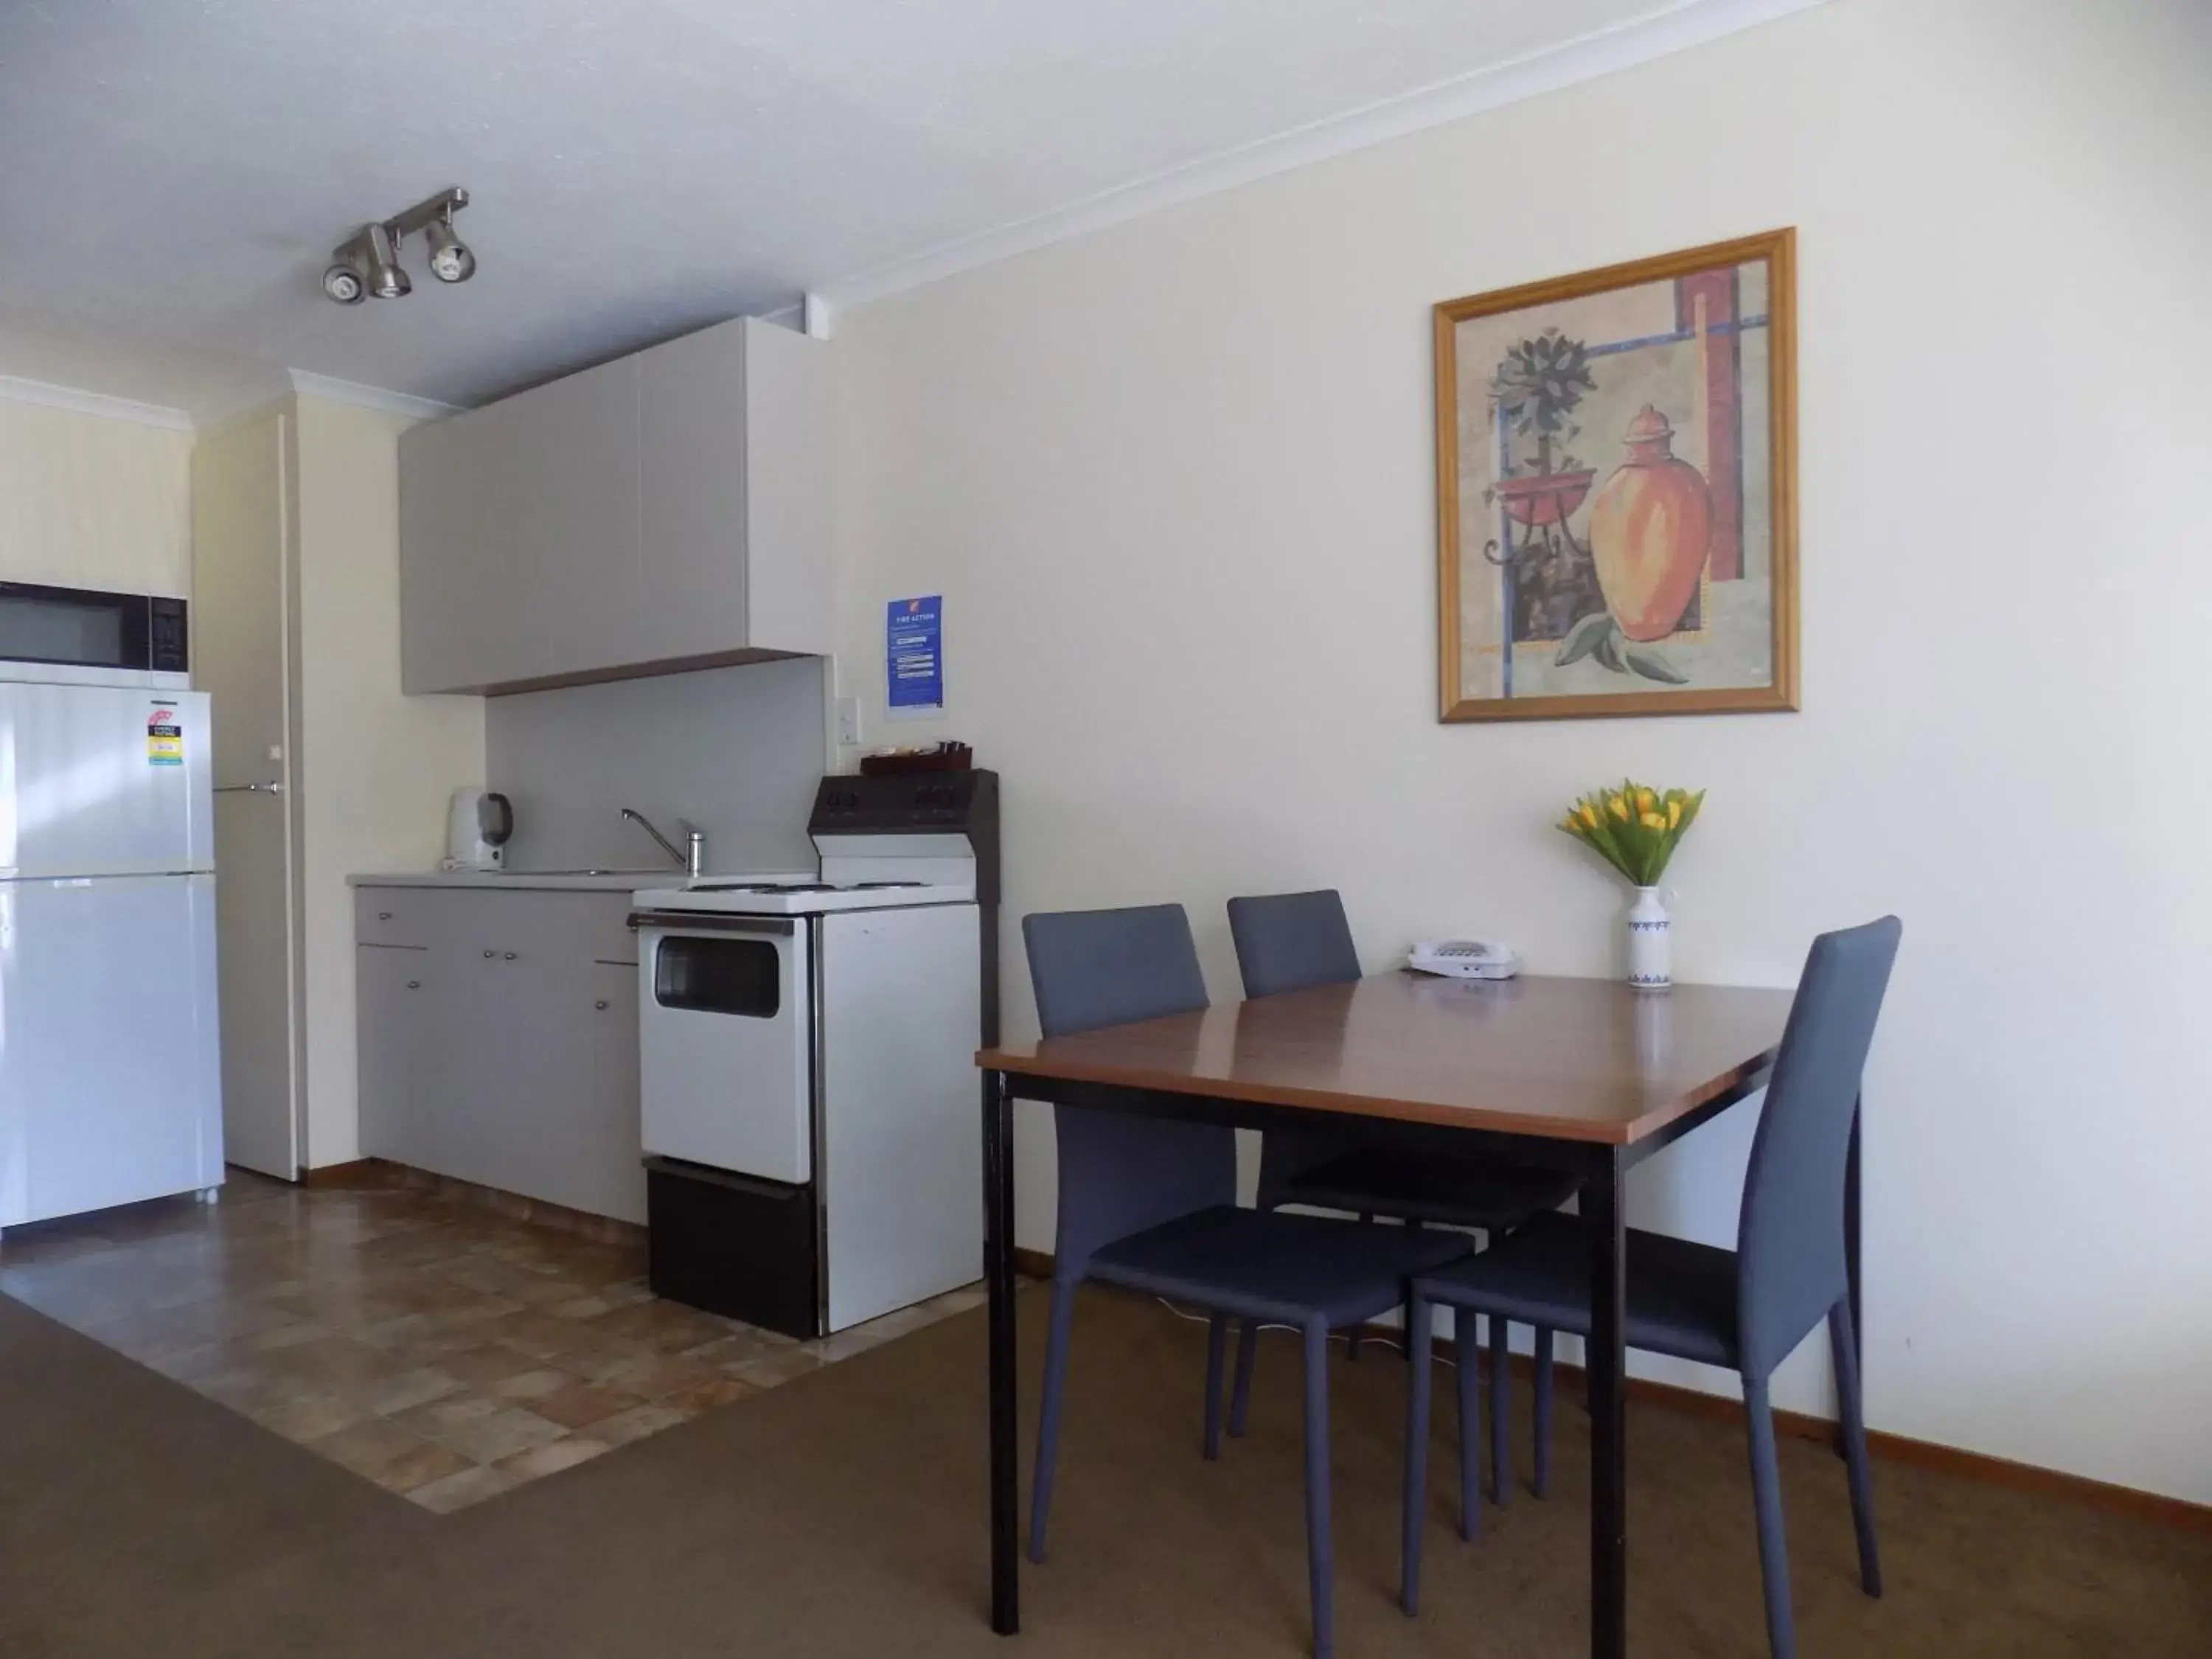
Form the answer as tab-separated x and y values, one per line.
735	1245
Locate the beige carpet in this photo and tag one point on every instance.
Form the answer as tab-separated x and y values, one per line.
843	1514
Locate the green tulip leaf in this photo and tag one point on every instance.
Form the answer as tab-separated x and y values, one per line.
1585	638
1653	666
1607	650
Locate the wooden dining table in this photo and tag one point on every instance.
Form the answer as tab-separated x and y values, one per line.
1580	1074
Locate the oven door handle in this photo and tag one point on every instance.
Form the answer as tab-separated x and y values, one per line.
708	922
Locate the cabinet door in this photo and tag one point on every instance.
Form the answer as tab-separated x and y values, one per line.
573	554
790	599
692	447
518	536
514	1042
611	1152
396	1008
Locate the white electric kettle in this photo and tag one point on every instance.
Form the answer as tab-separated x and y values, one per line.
479	823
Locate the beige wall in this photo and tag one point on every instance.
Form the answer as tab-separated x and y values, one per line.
1175	482
374	768
91	501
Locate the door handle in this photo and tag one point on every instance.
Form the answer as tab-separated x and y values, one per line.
275	786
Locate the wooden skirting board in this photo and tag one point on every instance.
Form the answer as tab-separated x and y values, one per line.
362	1172
373	1172
1895	1448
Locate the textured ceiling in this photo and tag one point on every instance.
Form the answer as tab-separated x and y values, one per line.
174	172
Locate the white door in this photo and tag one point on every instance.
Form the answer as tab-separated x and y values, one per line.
103	781
240	602
725	1032
107	1043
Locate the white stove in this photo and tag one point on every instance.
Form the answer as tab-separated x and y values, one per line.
807	1057
779	898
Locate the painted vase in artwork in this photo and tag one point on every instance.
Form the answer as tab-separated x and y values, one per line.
1649	526
1650	942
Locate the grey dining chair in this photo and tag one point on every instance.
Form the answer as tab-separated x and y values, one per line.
1292	942
1150	1204
1745	1309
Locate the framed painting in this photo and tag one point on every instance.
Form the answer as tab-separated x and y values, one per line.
1616	490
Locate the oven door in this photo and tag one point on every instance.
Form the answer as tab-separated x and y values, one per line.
725	1040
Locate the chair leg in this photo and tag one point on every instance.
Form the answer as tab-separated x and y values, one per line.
1248	1355
1420	1316
1216	1350
1852	1410
1321	1561
1501	1449
1469	1372
1543	1411
1062	1327
1352	1342
1766	1498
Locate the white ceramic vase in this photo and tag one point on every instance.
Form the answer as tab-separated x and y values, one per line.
1650	942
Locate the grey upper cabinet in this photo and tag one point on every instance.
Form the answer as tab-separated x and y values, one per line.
735	456
668	509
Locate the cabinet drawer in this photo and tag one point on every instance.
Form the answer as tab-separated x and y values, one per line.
537	925
392	915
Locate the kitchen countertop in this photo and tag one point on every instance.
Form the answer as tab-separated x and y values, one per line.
613	881
566	881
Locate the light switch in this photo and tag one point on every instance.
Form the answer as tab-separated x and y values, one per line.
848	722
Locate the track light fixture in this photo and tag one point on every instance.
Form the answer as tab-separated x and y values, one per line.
367	265
386	279
450	258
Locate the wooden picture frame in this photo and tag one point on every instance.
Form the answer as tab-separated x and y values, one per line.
1669	585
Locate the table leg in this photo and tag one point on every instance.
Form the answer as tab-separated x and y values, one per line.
1604	1363
999	1277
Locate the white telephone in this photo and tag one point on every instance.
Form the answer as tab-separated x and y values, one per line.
1465	959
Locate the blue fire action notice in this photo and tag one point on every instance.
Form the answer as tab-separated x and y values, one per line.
913	656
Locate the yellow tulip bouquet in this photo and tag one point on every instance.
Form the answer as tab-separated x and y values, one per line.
1634	828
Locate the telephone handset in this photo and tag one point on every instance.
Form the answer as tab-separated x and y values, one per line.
1465	959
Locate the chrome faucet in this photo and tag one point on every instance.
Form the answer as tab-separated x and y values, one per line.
692	860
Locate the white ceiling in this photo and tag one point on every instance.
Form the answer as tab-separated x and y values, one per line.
173	174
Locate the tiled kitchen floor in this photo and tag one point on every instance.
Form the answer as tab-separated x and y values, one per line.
437	1348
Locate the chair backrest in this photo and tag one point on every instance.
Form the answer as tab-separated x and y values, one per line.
1790	1242
1290	941
1120	1174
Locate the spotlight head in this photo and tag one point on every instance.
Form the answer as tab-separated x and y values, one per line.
343	282
450	258
387	280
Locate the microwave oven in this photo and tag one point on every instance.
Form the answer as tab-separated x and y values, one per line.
87	636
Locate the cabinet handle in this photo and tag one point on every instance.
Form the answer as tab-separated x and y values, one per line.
414	984
384	915
488	955
510	955
601	1005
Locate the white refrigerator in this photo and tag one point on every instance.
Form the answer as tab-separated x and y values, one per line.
110	1073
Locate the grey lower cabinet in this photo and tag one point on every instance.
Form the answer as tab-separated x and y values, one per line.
498	1041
